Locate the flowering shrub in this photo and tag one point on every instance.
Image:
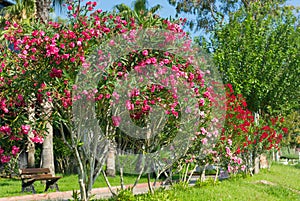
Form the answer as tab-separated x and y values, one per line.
44	63
242	138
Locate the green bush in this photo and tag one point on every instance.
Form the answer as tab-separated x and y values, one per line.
126	194
158	195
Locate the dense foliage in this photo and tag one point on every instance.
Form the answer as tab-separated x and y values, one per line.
118	65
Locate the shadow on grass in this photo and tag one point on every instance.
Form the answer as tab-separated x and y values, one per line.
297	166
4	184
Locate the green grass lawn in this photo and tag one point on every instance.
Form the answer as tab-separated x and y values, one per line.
283	184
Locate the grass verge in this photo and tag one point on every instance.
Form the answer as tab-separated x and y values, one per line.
281	183
12	187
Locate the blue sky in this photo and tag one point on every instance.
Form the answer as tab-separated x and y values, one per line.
166	11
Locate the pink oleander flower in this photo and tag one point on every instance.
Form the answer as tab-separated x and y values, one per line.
145	52
37	139
129	105
15	150
229	169
228	152
73	59
204	141
188	110
116	120
202	114
116	95
25	129
203	131
5	129
201	102
5	159
206	94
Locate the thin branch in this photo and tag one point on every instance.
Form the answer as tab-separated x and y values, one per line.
107	183
61	129
149	182
213	14
138	178
246	3
191	174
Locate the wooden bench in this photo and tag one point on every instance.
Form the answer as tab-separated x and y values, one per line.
30	175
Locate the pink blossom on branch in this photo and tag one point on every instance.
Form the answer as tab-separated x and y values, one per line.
116	120
15	150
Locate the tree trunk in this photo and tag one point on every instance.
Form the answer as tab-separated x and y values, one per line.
31	152
110	161
256	156
255	162
47	153
31	146
43	9
203	178
23	161
277	156
256	165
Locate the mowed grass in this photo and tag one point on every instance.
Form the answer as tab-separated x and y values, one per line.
12	187
281	183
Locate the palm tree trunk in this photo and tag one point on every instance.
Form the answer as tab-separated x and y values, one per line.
110	161
31	152
47	153
31	145
43	9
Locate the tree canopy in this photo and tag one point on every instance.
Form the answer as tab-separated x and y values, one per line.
212	13
258	53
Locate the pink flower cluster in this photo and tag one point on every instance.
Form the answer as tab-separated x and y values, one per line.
6	158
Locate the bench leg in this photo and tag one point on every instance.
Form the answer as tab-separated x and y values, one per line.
33	190
26	187
51	184
56	186
23	188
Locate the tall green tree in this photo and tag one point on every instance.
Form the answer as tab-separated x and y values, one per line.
44	7
258	53
212	13
139	10
25	10
292	122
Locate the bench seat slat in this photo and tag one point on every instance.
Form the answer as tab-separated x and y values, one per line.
35	171
42	177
